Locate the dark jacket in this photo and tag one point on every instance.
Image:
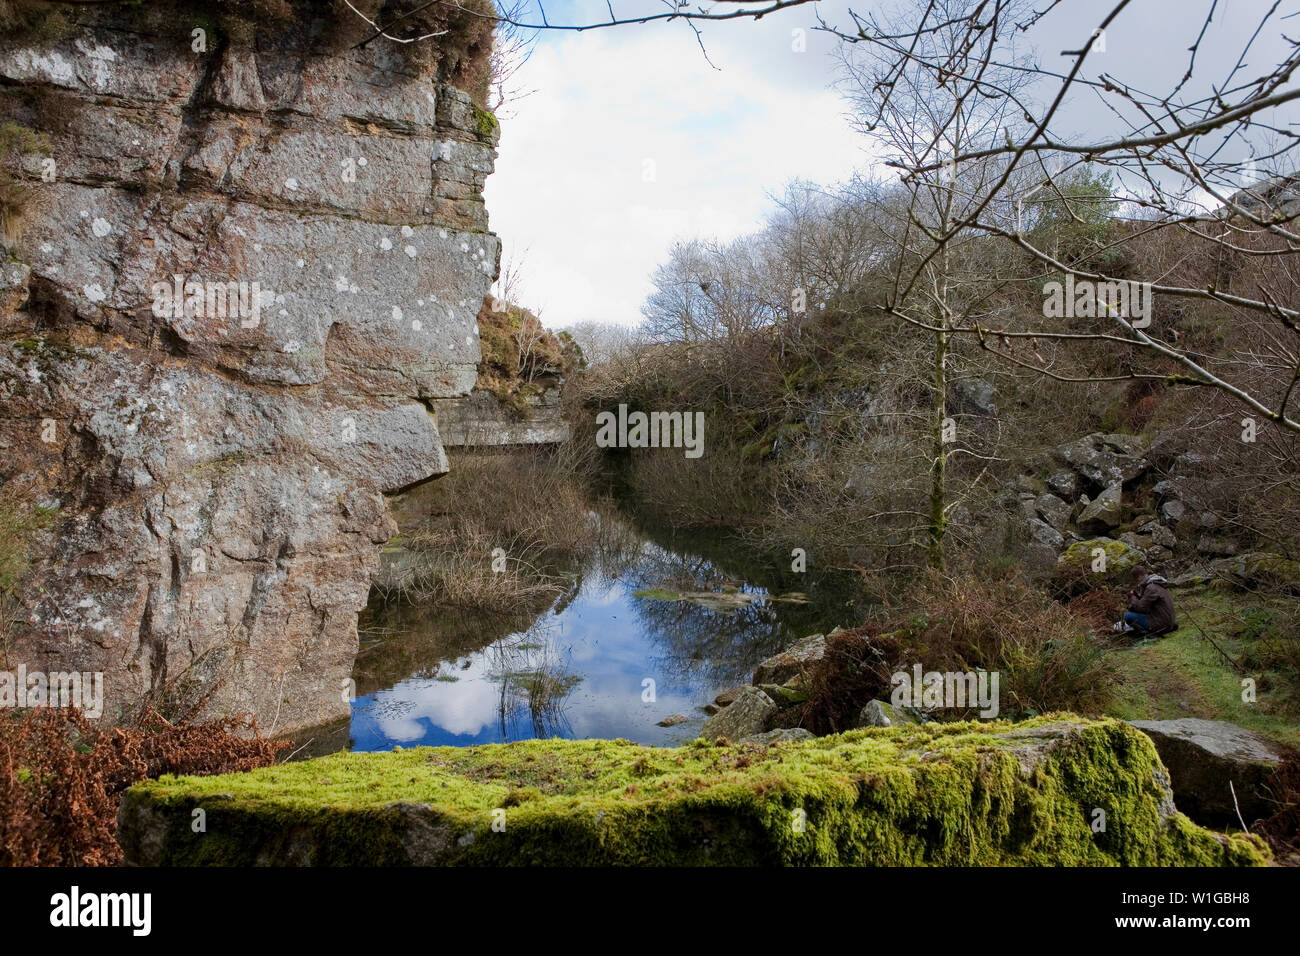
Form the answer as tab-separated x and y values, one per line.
1153	599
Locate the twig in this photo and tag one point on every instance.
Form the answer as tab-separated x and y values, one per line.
1231	663
1236	807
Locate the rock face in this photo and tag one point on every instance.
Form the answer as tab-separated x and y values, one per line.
989	793
218	459
479	420
1208	760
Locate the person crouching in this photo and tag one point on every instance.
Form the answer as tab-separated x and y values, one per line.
1150	606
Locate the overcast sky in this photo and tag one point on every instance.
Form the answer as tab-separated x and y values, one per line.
633	139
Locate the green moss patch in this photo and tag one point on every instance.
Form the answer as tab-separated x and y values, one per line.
938	794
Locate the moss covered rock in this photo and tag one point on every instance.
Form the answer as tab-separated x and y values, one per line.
1259	569
1094	563
940	794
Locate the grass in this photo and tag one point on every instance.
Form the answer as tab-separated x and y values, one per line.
498	533
1183	675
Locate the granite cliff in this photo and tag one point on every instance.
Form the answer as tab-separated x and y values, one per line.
250	262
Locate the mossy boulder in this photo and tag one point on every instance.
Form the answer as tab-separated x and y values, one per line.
1259	569
938	794
1094	563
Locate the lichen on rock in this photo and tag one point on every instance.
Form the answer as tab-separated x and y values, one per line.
258	265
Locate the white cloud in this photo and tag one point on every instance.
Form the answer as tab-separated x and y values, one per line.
570	192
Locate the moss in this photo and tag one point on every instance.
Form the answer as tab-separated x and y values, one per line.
782	695
18	522
657	594
486	123
15	143
937	794
1074	572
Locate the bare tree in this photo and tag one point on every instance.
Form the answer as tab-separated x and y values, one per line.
929	127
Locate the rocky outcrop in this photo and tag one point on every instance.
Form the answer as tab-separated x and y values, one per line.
1049	792
218	459
1221	773
480	420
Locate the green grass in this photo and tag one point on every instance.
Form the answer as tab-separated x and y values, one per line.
1182	675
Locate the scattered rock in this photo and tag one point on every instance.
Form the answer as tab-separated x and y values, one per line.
1160	535
1053	510
1208	760
673	720
1138	542
746	716
1173	511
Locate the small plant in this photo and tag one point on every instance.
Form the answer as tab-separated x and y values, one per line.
15	143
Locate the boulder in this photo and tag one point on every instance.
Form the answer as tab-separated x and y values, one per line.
744	717
1216	545
1104	512
727	696
1138	542
878	713
1255	569
791	662
1065	483
1160	535
1102	460
1210	759
783	695
990	794
1045	543
1094	563
1173	511
1053	510
974	396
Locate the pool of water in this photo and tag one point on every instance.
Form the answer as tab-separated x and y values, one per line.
611	658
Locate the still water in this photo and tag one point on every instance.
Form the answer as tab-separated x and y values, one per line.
612	657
